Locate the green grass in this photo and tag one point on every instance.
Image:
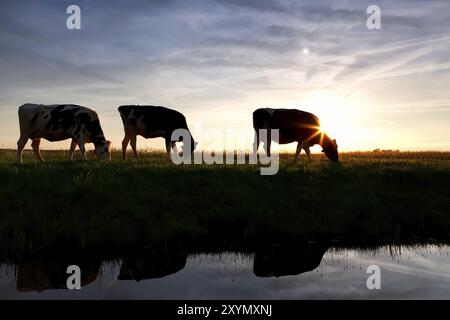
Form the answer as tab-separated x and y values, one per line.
368	197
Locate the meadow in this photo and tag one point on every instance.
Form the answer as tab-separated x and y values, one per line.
367	198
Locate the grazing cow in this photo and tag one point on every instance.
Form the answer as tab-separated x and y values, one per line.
151	122
294	126
61	122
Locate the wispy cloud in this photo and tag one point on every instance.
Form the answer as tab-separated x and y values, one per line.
203	56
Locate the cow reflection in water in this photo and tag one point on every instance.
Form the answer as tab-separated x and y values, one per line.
277	261
270	261
150	264
44	274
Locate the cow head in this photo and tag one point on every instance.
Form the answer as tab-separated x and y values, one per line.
330	148
193	146
103	150
195	143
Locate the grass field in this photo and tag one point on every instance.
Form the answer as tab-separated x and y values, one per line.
370	197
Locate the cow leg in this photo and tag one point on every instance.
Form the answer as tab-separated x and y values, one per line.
73	146
20	145
133	146
256	142
82	148
300	146
268	143
308	152
125	142
35	145
168	146
297	152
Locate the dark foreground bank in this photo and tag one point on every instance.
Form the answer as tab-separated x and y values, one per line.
367	198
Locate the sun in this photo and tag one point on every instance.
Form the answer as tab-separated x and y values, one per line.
338	116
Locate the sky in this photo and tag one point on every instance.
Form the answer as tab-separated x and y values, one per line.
216	61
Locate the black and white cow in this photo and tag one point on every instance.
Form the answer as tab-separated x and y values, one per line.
151	122
61	122
294	126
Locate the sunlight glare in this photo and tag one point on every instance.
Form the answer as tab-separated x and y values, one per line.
338	116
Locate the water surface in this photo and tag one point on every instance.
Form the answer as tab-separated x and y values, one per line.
311	272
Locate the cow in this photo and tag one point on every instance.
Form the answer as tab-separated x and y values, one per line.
294	126
151	122
60	122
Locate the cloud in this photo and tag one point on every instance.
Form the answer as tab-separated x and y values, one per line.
201	53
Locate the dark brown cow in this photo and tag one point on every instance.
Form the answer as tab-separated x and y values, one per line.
151	122
294	126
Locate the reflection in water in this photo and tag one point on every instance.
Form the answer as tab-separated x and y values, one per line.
284	261
40	275
149	264
275	272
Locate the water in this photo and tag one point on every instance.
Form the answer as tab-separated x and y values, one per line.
312	272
